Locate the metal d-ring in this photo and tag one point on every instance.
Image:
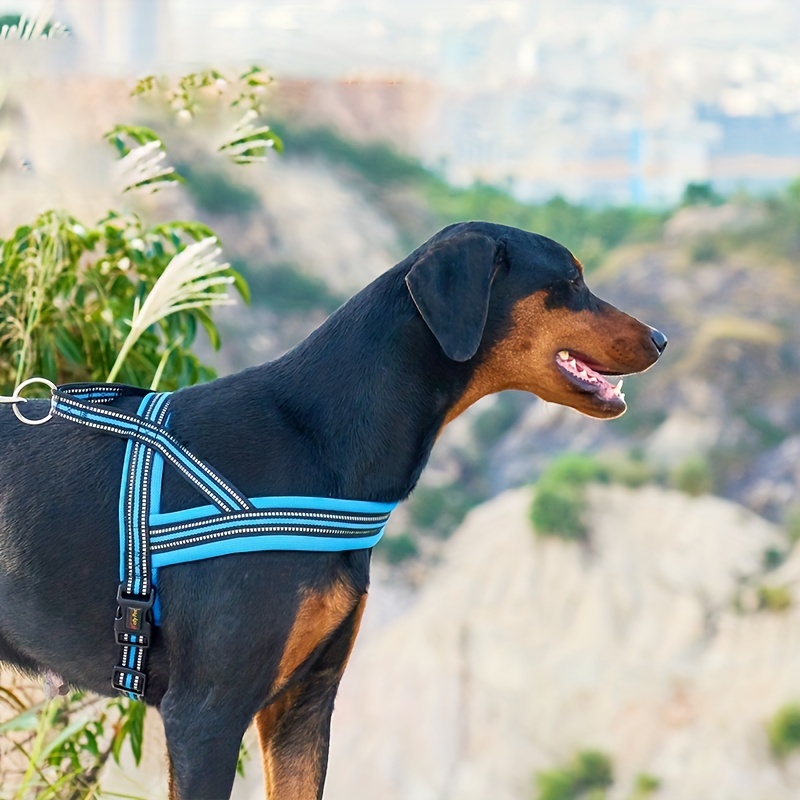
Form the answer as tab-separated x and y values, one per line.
16	399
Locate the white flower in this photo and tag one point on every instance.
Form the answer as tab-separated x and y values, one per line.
190	280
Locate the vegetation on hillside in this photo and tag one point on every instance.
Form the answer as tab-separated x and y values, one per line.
589	775
586	230
118	299
783	731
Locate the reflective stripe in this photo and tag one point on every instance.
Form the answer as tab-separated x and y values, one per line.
150	539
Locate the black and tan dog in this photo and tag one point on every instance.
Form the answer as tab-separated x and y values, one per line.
351	412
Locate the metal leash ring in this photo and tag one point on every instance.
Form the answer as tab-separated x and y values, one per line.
16	399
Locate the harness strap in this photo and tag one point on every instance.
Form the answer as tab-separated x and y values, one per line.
136	593
71	403
234	523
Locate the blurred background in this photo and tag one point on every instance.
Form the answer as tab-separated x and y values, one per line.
564	608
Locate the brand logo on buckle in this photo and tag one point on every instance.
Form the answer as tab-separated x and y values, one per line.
134	619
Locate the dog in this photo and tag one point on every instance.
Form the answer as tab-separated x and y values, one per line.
351	412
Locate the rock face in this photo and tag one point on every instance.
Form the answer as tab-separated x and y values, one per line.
522	650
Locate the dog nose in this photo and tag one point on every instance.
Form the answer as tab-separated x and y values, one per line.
659	340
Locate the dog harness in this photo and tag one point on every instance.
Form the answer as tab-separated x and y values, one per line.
229	523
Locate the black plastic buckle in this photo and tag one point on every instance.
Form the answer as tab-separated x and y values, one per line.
137	684
132	623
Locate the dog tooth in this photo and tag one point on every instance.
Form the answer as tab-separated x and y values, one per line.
618	387
563	355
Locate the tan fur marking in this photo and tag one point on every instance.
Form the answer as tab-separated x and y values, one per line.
525	359
318	616
280	777
296	777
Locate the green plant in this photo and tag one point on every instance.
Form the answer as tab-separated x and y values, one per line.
240	102
587	775
701	194
20	26
783	731
792	524
693	476
774	598
75	298
215	191
774	557
438	510
398	548
559	499
559	511
705	251
377	162
645	786
631	472
66	742
285	289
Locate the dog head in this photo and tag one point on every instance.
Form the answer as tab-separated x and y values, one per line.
516	305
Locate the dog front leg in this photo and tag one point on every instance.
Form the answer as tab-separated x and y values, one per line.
294	730
203	739
295	733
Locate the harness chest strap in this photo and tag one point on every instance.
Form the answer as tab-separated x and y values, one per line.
233	523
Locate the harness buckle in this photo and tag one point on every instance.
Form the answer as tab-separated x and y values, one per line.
129	680
132	623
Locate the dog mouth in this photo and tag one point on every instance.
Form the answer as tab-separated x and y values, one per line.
592	379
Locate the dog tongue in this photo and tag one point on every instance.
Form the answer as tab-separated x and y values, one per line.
605	389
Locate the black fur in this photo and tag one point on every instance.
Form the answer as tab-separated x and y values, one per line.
350	412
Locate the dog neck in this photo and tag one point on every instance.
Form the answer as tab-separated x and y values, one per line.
364	396
384	388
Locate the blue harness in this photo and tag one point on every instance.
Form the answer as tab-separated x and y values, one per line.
231	523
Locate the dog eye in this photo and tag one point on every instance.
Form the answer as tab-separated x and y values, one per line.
577	281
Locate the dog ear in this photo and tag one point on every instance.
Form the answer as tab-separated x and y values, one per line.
450	286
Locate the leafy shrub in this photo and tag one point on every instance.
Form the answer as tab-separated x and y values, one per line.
592	770
589	773
645	786
701	194
378	162
577	469
559	511
399	548
694	476
439	509
783	731
773	558
705	251
631	472
559	500
216	192
774	598
792	524
285	289
68	292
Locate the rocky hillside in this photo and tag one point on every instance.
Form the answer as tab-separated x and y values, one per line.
523	650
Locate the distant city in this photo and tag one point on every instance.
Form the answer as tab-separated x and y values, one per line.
622	101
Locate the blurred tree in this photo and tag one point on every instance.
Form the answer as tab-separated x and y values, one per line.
701	194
